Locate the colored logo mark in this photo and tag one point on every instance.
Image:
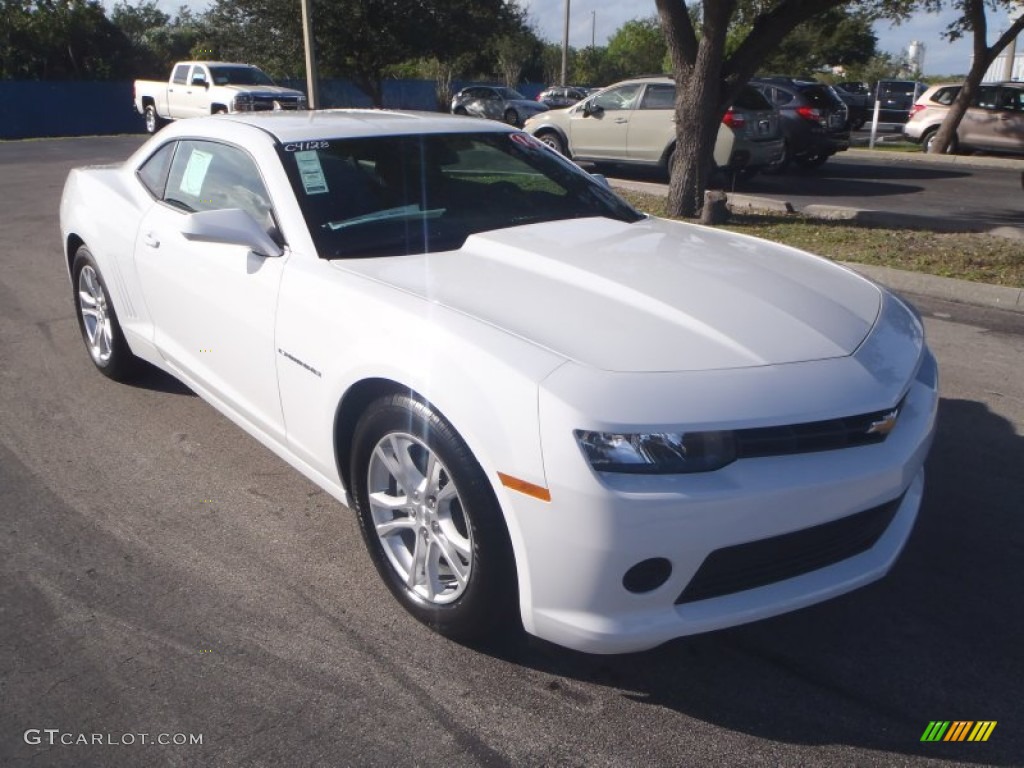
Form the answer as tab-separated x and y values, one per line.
958	730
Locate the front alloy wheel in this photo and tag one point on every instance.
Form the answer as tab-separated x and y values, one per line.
431	521
418	518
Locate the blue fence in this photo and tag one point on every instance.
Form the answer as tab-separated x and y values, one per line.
32	109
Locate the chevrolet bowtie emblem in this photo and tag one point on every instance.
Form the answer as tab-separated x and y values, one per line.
886	424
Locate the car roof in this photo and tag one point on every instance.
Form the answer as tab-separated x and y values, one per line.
288	126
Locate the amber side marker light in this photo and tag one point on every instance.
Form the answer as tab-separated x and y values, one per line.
522	486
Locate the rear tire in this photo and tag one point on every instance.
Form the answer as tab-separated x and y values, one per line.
430	520
929	138
153	121
512	117
97	320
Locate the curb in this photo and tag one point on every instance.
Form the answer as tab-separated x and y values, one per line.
963	161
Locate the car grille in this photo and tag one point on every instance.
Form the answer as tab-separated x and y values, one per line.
266	103
757	563
828	435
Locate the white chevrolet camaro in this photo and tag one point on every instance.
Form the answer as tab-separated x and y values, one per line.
542	405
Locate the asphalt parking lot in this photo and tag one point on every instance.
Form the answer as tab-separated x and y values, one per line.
161	573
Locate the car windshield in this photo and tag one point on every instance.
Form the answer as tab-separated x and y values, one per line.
509	94
239	76
397	195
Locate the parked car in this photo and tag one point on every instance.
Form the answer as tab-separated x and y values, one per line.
561	96
197	88
994	122
815	121
496	103
857	97
633	122
895	98
540	403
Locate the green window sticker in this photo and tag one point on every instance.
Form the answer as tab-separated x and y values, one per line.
311	172
195	172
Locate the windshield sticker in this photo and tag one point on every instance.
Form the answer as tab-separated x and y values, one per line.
311	171
195	172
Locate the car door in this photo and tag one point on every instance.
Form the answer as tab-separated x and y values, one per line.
1006	126
979	123
598	127
196	100
214	305
176	92
652	125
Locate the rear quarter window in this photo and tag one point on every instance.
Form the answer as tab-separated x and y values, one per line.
751	98
945	96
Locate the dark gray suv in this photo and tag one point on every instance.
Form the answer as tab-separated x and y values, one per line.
815	121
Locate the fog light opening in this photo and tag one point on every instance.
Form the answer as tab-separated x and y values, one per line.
647	575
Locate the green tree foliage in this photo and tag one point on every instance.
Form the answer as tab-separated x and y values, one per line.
637	48
836	37
60	39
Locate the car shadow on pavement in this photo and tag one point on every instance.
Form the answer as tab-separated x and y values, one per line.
152	378
938	638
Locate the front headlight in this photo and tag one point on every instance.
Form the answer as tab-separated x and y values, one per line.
657	453
243	101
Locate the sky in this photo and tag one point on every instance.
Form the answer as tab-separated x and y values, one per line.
604	17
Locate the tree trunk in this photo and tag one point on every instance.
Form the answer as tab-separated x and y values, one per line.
697	65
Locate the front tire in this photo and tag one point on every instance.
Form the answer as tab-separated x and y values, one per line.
553	140
97	320
430	520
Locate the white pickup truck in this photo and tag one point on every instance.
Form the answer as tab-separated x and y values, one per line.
208	87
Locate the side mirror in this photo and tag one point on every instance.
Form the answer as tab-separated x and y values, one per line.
232	226
592	110
200	81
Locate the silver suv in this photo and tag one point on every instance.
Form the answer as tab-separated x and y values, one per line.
994	122
632	122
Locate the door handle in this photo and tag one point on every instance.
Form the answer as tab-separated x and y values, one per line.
621	120
151	240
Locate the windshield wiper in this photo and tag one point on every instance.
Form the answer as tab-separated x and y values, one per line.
402	212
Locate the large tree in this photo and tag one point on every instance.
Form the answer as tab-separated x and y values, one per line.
973	20
710	67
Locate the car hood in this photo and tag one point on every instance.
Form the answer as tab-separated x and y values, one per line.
268	91
650	296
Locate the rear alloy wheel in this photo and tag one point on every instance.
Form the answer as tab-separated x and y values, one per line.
929	139
511	117
153	121
553	140
461	111
431	521
98	322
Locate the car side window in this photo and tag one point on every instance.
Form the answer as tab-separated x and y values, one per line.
198	75
987	97
659	97
781	97
617	98
1012	99
209	176
180	74
153	172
